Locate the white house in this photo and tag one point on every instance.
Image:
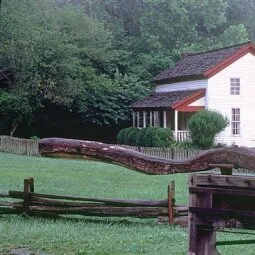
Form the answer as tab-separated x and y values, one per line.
221	80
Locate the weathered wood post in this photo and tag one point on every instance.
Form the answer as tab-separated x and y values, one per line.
202	236
28	187
171	203
225	169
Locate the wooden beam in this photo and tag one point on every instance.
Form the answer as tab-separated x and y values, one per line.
117	202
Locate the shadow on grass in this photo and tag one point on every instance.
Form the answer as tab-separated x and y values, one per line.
123	221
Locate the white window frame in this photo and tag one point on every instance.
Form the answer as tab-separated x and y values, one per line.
235	83
236	121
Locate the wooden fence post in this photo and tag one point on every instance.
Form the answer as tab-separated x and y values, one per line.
28	187
171	196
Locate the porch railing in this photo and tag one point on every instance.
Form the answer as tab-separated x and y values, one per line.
182	135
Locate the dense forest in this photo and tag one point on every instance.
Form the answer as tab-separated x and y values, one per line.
72	68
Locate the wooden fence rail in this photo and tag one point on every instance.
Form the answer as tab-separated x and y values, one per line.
216	202
19	146
55	205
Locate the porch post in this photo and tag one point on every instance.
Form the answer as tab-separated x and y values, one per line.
150	118
164	116
176	124
133	118
155	119
144	119
138	119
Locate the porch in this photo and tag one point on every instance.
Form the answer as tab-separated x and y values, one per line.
169	110
176	121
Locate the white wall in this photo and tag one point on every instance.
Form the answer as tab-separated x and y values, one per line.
180	86
219	98
199	102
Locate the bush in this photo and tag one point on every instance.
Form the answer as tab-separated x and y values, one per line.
120	136
140	137
163	137
127	136
157	137
130	136
204	125
149	136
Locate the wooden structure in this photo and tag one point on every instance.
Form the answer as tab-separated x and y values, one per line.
70	148
220	79
29	147
165	152
217	201
55	205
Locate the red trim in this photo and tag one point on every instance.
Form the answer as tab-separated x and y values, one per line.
190	108
250	48
189	99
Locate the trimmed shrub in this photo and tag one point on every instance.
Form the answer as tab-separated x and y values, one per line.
163	137
158	137
145	137
127	136
140	137
130	136
204	125
120	136
149	136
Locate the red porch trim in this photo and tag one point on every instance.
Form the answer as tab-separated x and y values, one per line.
190	108
250	48
183	104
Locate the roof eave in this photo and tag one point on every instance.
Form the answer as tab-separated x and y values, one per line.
250	48
179	79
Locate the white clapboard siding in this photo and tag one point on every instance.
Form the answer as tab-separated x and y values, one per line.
219	99
181	86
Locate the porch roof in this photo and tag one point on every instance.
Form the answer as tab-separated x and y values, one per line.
166	100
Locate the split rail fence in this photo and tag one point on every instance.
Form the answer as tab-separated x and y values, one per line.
56	205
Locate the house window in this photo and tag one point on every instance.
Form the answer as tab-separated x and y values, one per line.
235	123
234	86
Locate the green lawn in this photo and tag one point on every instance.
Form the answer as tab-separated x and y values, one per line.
94	235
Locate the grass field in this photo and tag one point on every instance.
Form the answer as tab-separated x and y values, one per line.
95	235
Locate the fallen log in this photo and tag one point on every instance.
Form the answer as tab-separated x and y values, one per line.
58	147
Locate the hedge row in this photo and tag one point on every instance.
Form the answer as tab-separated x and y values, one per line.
145	137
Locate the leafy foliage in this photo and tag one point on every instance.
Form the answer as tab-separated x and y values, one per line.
89	60
204	125
147	137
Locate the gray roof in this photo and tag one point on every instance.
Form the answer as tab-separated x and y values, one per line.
195	64
163	100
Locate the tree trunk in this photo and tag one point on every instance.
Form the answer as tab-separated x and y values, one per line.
69	148
15	125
